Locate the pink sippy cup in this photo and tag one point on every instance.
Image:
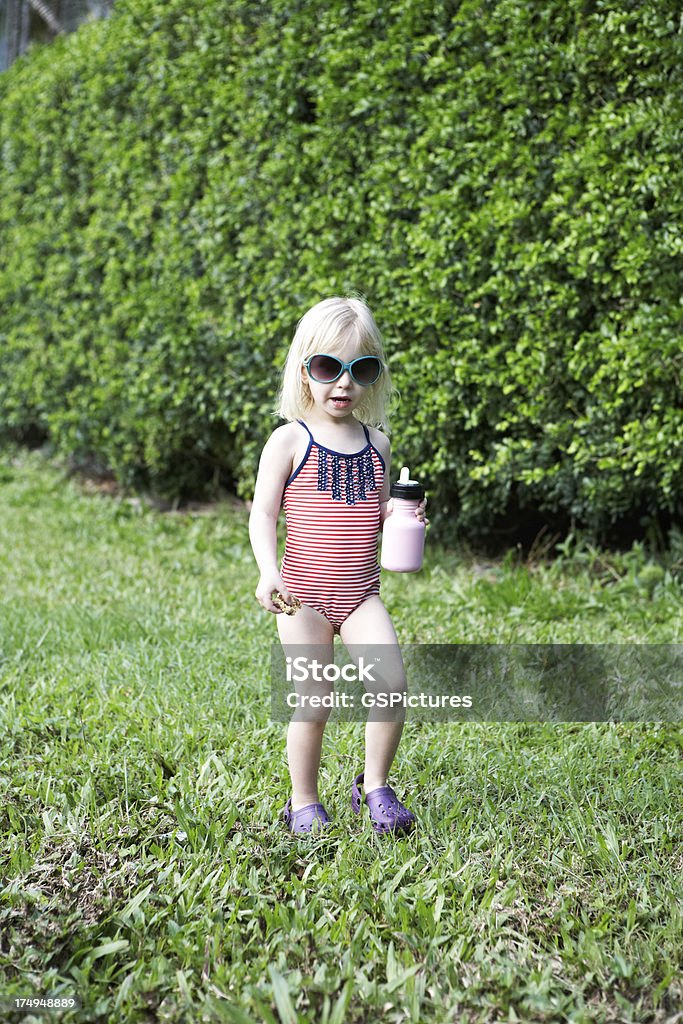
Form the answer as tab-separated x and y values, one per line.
403	535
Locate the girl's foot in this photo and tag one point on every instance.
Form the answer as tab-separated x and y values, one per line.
387	813
311	818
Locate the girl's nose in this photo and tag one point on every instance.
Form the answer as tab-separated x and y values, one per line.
345	379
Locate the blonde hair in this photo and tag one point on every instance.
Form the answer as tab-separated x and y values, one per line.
328	327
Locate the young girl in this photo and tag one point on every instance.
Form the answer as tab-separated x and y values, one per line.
329	468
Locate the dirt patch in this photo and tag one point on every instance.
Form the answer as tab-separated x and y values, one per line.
71	886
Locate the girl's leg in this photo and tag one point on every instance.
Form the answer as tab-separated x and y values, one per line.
370	629
309	634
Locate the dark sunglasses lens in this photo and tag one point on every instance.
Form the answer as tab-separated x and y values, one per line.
324	369
367	370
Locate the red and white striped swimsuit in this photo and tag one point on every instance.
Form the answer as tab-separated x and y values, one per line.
332	512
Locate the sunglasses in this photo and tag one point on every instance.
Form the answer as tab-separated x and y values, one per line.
326	369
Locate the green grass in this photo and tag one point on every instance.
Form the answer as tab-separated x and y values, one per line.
142	863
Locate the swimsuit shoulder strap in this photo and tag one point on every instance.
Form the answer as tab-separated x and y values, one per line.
309	432
374	447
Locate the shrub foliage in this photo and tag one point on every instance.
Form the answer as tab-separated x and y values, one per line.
501	180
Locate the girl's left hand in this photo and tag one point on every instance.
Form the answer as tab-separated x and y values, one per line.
421	512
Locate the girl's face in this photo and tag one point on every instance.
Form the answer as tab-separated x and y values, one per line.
338	399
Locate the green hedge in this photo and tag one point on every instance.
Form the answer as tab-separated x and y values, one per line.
501	180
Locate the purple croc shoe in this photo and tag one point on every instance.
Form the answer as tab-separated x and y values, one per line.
387	813
311	818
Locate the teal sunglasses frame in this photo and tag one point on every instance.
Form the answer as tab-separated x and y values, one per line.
344	366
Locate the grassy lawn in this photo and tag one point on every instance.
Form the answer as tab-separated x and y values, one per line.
143	866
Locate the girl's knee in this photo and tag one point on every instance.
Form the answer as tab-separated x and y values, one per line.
391	683
317	717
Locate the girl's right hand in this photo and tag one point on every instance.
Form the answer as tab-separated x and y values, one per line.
266	585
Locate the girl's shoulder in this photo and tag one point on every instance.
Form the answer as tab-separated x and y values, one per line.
280	453
285	441
285	433
380	441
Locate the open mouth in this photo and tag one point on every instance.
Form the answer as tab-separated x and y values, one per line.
341	402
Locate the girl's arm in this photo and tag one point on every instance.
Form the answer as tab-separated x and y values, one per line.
275	467
383	446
